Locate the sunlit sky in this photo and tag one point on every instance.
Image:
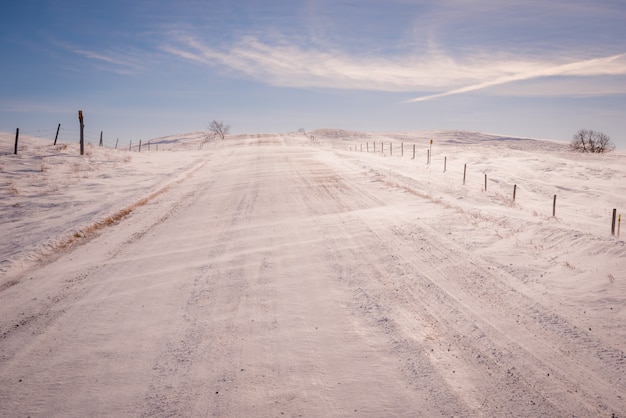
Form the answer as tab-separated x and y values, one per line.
142	69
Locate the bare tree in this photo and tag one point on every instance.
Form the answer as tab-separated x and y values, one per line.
587	140
218	129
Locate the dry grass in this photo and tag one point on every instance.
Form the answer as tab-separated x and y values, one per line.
91	230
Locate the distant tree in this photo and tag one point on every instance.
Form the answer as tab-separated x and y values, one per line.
218	129
587	140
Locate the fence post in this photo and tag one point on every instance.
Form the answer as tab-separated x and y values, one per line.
82	132
514	191
367	146
130	145
413	152
116	141
17	135
140	145
430	151
613	221
464	172
57	135
554	206
401	149
374	146
445	163
100	144
427	157
485	181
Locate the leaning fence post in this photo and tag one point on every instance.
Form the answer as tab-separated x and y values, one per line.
514	191
116	141
17	135
554	206
57	135
100	144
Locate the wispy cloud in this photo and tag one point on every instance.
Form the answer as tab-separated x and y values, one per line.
118	62
287	64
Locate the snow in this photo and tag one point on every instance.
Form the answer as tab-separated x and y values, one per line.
298	274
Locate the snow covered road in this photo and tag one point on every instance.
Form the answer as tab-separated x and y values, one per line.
281	278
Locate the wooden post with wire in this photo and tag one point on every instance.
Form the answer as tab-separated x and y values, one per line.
82	132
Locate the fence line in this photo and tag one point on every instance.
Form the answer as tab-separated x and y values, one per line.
615	220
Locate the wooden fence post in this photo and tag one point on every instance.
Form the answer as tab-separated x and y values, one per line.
82	132
430	151
401	149
100	144
390	148
140	145
614	218
130	145
427	157
57	135
485	181
17	135
514	191
116	141
445	163
554	206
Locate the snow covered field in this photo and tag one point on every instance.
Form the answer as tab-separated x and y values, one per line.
301	275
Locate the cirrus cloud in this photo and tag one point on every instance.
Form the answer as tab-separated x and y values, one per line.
435	72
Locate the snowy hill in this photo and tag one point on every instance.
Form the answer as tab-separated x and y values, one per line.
404	270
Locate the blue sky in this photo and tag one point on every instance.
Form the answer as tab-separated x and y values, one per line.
147	68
